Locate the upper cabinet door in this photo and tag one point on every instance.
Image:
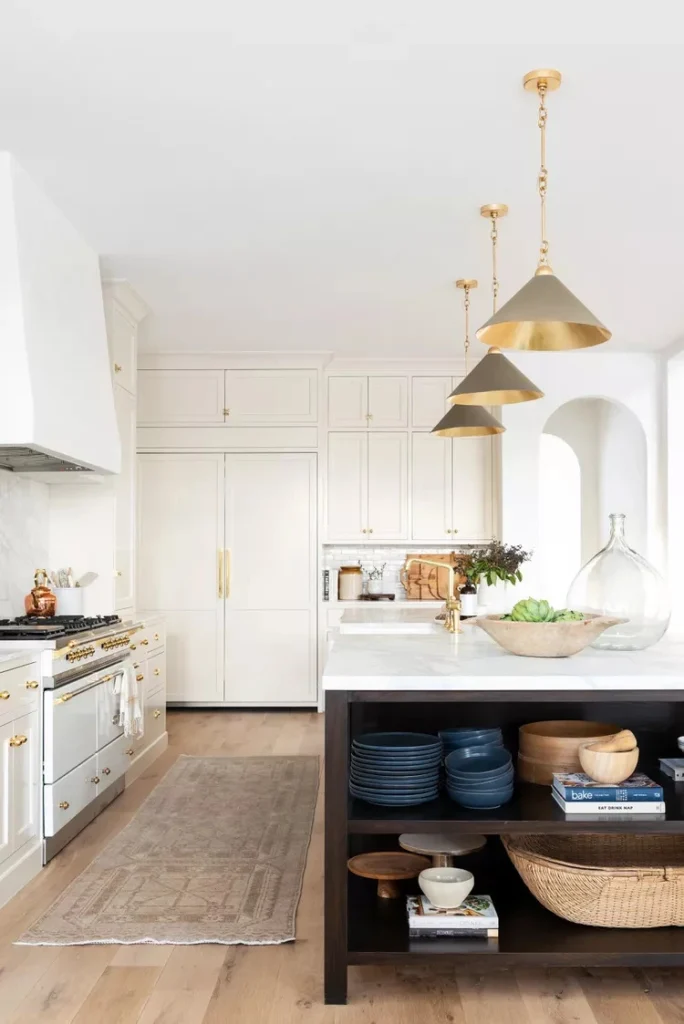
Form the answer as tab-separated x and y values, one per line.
431	488
347	493
472	488
173	397
124	489
387	402
122	333
388	486
430	396
347	402
271	397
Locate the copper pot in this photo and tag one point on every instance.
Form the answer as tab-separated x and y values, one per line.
41	601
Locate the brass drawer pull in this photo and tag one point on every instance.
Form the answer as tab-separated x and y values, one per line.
117	368
32	684
4	695
133	647
157	671
95	779
18	741
130	752
157	713
144	643
64	805
140	677
106	771
156	636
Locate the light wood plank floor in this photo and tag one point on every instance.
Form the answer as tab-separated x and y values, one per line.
279	984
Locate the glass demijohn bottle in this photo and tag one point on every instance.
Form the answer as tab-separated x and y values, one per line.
618	581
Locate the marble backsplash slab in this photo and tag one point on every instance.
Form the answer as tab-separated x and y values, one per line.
24	529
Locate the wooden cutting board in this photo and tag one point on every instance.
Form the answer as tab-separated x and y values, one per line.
426	582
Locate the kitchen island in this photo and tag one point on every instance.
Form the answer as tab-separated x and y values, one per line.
428	682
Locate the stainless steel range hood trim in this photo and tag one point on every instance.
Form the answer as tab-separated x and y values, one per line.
32	459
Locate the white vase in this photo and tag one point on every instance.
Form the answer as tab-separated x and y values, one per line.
494	598
374	587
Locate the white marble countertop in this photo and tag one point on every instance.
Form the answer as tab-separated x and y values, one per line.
389	619
472	661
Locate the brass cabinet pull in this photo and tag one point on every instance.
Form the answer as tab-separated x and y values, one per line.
32	684
220	574
226	412
228	571
4	695
156	636
95	779
140	677
117	368
144	643
157	671
64	805
63	699
364	531
106	771
157	713
18	741
130	752
133	647
370	531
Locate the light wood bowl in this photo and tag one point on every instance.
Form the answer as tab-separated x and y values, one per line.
610	767
545	639
560	740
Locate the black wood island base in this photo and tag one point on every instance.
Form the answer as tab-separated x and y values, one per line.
361	928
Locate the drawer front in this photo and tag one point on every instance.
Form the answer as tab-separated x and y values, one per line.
108	728
19	689
65	798
155	717
112	762
70	730
147	639
155	674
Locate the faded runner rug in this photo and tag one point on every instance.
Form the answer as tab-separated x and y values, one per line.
215	854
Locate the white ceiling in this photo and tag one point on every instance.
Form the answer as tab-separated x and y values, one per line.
307	176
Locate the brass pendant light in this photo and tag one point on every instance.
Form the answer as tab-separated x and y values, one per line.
494	380
544	316
467	420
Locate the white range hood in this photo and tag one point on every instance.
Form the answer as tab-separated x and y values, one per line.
56	402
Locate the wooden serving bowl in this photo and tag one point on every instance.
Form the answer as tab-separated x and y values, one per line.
608	766
545	639
559	740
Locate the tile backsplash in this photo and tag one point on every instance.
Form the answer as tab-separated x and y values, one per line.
392	557
24	519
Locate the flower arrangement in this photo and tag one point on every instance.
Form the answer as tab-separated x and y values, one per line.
495	562
376	572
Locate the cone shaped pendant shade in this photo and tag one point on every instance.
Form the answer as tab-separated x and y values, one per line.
544	316
468	421
495	381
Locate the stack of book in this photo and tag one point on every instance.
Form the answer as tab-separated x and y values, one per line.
582	798
475	918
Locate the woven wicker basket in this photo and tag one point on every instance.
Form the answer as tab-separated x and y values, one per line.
610	881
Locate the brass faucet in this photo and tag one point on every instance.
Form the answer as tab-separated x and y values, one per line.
453	601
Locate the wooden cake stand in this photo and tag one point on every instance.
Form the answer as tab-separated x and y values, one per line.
388	868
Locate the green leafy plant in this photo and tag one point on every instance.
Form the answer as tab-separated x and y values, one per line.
532	610
495	562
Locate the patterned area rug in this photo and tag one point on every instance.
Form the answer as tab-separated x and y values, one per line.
215	854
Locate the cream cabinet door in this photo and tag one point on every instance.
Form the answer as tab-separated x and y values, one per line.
347	490
271	397
122	333
124	489
271	551
429	400
6	756
173	397
473	517
26	760
431	487
388	486
347	402
180	536
387	402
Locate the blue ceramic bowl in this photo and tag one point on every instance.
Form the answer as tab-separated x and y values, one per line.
473	746
459	737
476	784
481	801
483	763
401	742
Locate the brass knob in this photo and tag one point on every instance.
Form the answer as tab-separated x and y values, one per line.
118	572
117	368
448	531
140	677
132	647
95	779
144	643
157	671
106	771
226	412
18	741
157	713
370	531
32	684
64	805
363	531
130	752
4	695
156	636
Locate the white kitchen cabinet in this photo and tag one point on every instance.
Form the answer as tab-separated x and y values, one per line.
6	761
347	492
429	400
270	581
367	402
431	495
271	397
122	333
173	397
26	780
387	486
124	491
180	545
473	511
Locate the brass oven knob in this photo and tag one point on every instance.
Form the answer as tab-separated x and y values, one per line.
32	684
106	771
95	779
140	677
4	695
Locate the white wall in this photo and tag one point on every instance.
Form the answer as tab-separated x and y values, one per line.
632	380
24	510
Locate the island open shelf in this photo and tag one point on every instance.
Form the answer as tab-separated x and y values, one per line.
361	929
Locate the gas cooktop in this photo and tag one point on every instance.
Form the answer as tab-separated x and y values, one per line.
36	628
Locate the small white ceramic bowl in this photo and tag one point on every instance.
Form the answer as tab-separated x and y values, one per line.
446	888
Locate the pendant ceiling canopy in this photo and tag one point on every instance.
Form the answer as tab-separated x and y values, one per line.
544	316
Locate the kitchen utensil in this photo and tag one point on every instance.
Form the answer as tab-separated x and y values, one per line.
545	639
388	868
446	888
69	600
86	579
609	767
560	738
40	601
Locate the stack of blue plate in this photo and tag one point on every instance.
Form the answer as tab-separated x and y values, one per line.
395	769
479	778
469	736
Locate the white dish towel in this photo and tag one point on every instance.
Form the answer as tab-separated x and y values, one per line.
129	690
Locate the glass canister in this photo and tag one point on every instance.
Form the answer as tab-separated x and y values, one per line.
618	581
350	584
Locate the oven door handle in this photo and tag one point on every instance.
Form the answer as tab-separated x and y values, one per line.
84	689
